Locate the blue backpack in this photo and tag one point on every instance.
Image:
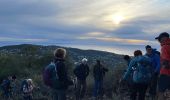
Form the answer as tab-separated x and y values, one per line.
50	76
24	83
143	70
6	85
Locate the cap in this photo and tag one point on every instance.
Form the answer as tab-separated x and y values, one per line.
148	47
164	34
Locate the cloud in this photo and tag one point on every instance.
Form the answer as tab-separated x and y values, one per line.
7	39
65	21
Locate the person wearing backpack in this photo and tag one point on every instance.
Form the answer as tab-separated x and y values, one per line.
127	85
164	78
27	89
141	68
98	73
6	88
81	72
14	86
151	53
55	75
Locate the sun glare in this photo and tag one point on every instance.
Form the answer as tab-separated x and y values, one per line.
117	19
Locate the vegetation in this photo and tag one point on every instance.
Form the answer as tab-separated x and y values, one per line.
28	61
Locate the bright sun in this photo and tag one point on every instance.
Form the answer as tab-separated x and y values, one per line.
117	19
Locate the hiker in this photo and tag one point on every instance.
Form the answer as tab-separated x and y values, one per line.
81	72
141	68
128	85
6	88
55	75
164	79
27	87
14	86
98	73
152	53
127	59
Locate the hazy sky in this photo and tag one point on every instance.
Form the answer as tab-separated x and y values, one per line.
119	26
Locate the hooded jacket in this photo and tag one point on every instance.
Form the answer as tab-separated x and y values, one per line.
155	61
165	58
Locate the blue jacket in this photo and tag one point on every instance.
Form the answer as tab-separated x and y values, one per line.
129	72
135	65
155	61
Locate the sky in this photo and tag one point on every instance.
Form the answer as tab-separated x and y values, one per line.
119	26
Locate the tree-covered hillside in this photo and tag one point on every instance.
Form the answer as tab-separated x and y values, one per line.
28	61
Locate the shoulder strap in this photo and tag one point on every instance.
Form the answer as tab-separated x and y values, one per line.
55	68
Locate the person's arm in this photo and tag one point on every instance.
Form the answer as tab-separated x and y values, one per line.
88	71
165	56
157	58
129	70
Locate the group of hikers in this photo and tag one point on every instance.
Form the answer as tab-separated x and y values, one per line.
10	89
149	72
55	76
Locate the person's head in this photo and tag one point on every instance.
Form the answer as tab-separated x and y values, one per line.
14	77
162	37
60	53
148	49
138	53
30	82
84	61
126	57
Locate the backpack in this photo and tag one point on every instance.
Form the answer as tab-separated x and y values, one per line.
6	85
50	76
24	83
143	70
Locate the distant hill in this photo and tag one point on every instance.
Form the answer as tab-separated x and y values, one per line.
108	58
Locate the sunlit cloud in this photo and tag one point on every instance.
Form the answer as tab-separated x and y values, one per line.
96	34
121	40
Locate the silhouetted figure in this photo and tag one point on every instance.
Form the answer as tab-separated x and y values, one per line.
6	88
141	68
55	75
81	72
153	55
99	73
164	79
27	87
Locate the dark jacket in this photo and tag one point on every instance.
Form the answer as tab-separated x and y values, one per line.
81	71
99	72
62	73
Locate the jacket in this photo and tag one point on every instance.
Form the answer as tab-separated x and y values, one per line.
81	71
99	72
62	73
155	58
165	58
138	65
